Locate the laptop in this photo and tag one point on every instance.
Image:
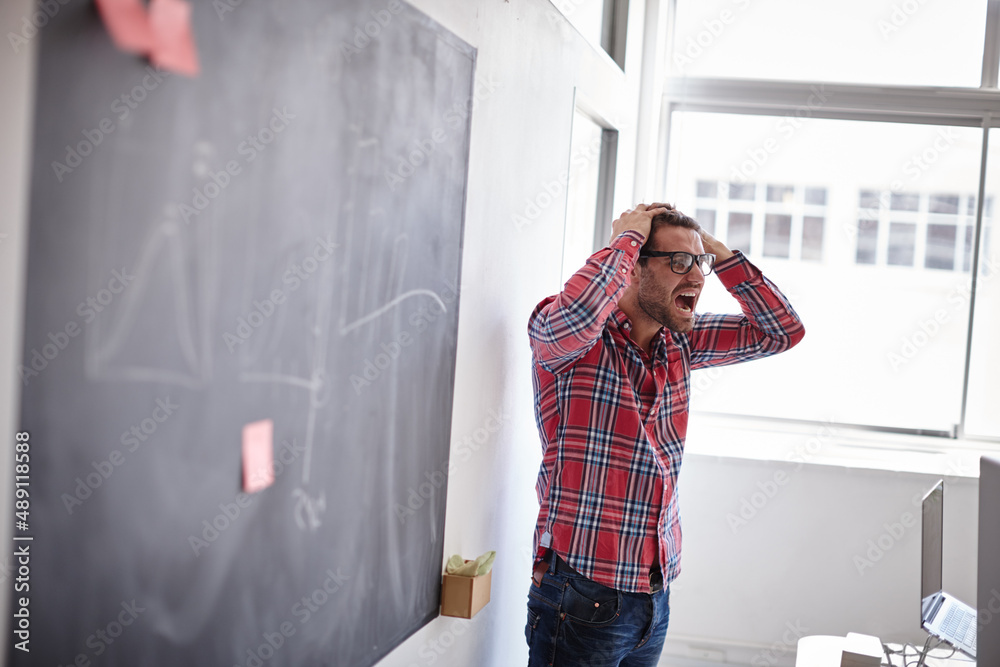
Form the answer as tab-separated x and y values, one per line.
942	615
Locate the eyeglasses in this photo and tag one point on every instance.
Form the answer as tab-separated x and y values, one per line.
681	262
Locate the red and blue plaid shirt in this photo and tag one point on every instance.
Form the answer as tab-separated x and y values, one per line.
612	427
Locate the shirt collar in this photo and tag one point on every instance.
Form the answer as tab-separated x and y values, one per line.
625	325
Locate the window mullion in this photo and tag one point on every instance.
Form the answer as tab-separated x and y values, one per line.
991	48
974	269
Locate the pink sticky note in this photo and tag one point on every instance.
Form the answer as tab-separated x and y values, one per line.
173	45
128	24
258	455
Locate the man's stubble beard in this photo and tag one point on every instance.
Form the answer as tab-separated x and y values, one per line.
658	306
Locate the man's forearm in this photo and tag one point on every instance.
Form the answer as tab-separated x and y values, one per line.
769	324
565	326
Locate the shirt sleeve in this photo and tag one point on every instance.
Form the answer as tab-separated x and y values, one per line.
564	327
768	325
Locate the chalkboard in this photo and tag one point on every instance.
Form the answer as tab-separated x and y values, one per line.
277	239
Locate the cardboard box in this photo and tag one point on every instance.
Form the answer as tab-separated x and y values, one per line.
463	597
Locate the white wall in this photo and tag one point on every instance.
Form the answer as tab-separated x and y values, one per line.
827	549
530	61
520	143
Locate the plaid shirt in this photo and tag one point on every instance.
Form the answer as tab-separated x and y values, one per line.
612	427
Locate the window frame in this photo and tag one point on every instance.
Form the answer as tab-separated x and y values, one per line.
930	105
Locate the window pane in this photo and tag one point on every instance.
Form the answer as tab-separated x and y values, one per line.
812	238
777	235
967	252
780	193
738	237
816	196
708	189
742	190
941	246
581	193
706	218
905	202
861	41
944	204
865	358
867	241
902	243
869	199
982	413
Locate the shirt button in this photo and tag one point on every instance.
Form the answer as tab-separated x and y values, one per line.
624	271
633	244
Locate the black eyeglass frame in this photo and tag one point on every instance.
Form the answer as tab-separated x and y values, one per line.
710	257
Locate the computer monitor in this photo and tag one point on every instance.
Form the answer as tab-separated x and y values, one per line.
942	615
931	542
988	589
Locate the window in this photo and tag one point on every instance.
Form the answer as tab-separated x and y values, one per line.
742	191
780	193
707	189
852	177
866	248
812	238
857	41
923	231
816	196
788	220
777	235
940	247
982	416
589	188
946	204
867	241
738	235
902	243
904	202
601	22
706	218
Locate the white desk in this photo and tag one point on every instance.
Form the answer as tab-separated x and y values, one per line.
825	651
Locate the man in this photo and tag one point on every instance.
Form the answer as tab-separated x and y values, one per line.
612	357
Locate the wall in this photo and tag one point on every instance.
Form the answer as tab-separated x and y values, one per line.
778	550
533	58
532	65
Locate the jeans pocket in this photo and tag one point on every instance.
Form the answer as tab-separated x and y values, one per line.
530	626
589	602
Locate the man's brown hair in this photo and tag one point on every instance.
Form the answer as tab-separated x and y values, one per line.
671	217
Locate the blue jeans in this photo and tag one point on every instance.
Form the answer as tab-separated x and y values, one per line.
576	622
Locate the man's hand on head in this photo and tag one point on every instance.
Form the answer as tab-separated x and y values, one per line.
715	246
639	219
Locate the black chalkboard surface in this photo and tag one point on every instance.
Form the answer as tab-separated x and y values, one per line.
279	238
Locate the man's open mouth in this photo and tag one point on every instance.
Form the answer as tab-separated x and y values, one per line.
685	301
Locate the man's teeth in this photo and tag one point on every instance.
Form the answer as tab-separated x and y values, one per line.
684	308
